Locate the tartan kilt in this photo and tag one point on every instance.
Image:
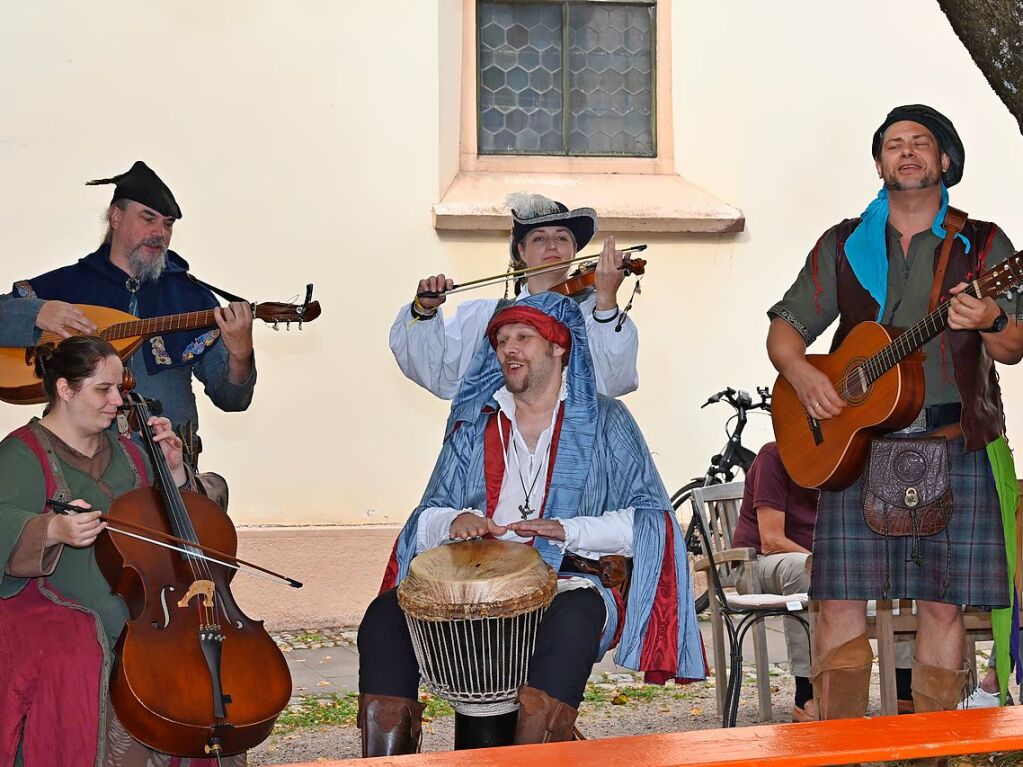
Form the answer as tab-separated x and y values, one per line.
850	561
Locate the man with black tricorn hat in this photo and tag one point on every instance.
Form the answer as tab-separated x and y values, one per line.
133	270
882	267
435	351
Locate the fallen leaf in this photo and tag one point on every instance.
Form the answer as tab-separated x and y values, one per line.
324	683
620	699
696	711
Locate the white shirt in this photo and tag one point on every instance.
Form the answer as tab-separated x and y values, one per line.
526	475
436	353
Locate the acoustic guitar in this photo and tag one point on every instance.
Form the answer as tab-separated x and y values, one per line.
126	333
881	378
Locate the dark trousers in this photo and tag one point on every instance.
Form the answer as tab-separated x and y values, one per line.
567	643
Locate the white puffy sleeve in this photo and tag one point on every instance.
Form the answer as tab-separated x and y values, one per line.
436	352
614	353
595	537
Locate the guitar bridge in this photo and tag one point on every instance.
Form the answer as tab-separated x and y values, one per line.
815	430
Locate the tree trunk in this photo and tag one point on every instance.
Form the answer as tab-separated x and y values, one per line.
992	31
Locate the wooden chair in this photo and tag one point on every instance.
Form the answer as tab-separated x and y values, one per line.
716	508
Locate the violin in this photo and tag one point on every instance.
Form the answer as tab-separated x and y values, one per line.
630	265
585	277
193	675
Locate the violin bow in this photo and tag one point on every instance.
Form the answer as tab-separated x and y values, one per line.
529	271
167	541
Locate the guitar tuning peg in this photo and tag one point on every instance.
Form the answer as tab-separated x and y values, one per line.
300	324
276	328
287	326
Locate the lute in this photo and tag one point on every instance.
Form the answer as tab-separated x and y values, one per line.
126	333
881	379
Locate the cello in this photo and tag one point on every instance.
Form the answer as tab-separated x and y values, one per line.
193	675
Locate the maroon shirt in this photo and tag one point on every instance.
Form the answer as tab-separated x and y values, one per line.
768	484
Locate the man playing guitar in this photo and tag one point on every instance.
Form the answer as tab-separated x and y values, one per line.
881	267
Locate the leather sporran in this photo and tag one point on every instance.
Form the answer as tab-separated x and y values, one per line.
907	489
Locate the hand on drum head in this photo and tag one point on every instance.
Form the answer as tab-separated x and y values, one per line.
468	525
545	528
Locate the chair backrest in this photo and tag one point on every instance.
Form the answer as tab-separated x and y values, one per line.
717	507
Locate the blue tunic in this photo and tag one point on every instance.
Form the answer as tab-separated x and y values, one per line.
602	463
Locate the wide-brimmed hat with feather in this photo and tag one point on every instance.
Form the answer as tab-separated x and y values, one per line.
531	211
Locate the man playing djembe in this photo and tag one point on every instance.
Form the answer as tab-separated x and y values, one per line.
533	454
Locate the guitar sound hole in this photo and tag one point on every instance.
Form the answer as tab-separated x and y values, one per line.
856	383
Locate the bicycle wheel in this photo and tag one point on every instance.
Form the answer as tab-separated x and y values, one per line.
694	546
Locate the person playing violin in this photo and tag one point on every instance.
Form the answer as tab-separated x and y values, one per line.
59	621
134	271
435	351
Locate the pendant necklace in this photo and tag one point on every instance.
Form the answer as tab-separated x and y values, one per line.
524	509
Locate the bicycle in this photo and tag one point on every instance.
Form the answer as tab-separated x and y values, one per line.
724	466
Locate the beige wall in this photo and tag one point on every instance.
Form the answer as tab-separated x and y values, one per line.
306	141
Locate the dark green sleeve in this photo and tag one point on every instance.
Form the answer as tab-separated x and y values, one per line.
22	495
811	304
1001	249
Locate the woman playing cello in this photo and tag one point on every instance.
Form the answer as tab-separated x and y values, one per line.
58	617
435	352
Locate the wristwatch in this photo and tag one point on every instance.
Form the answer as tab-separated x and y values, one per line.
1000	323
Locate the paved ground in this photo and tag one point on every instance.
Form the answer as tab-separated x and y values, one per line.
324	661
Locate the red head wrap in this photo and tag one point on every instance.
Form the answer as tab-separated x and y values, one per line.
545	325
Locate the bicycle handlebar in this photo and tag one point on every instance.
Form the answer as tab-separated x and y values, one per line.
741	400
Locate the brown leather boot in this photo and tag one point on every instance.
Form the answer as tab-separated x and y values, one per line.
841	680
390	726
937	689
543	719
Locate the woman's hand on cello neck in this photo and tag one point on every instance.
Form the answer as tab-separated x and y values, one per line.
170	444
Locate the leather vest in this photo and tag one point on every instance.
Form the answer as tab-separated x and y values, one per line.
983	419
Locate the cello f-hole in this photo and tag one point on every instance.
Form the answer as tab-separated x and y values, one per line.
163	604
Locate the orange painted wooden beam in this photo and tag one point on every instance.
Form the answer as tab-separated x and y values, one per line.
846	741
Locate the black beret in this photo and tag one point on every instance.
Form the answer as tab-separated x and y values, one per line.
942	128
143	186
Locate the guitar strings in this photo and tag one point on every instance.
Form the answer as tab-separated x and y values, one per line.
920	333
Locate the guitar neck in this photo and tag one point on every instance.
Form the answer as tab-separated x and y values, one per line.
913	339
156	325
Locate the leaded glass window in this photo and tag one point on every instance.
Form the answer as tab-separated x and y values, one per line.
598	53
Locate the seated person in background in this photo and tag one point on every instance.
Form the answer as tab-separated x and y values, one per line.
435	351
776	519
575	477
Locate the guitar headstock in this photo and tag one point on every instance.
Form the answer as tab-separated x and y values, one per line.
1003	278
276	313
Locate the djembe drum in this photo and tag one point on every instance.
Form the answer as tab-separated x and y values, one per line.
473	610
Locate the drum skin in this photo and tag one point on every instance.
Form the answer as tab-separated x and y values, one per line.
476	579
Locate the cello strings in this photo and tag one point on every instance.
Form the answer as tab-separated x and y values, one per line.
175	509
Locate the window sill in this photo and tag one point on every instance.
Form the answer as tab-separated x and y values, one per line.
625	202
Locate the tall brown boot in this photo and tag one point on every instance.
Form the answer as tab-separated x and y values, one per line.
543	719
937	689
841	680
390	726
